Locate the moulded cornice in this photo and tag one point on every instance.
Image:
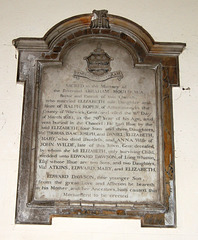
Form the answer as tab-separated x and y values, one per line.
119	27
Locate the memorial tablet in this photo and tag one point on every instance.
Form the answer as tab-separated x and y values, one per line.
97	137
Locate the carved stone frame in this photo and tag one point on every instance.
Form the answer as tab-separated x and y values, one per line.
34	52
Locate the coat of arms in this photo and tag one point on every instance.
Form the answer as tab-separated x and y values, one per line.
98	67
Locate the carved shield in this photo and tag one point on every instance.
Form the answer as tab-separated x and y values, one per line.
98	62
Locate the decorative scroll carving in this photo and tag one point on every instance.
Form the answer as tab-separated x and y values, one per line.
80	74
100	19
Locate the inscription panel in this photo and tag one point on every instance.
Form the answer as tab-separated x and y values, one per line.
99	128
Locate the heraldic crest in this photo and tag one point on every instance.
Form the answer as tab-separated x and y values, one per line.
98	67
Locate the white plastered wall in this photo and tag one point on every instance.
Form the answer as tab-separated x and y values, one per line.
170	20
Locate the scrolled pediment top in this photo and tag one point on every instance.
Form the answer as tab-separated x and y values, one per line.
99	22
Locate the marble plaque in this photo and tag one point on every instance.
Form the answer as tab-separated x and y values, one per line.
97	132
99	135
